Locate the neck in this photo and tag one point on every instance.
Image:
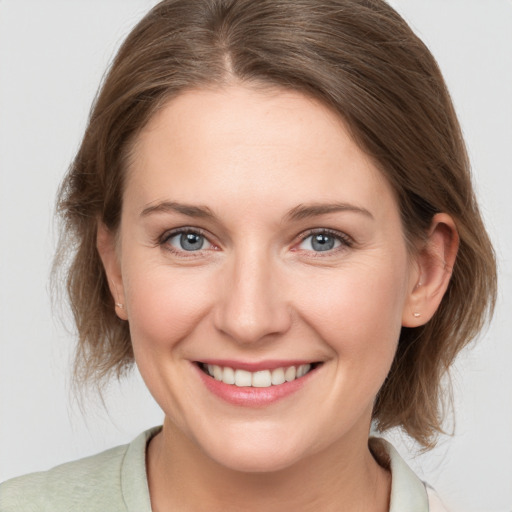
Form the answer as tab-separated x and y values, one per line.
346	474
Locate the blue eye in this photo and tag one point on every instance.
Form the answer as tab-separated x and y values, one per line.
320	242
188	241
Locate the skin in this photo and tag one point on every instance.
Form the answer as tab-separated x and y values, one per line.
257	290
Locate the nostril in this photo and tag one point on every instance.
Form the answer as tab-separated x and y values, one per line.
254	322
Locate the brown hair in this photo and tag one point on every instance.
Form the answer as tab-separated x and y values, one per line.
361	59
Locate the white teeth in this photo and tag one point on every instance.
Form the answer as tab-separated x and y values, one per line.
278	376
303	369
243	378
259	379
290	373
217	372
228	375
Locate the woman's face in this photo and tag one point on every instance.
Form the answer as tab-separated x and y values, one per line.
256	237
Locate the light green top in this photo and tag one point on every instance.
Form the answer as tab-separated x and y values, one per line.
112	481
115	481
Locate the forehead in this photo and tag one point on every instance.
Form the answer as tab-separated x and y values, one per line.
274	145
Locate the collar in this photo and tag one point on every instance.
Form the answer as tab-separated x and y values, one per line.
407	490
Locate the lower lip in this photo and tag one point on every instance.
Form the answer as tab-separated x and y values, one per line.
253	397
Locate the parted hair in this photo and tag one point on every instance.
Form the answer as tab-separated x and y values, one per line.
362	60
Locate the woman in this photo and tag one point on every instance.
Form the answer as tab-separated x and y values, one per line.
272	215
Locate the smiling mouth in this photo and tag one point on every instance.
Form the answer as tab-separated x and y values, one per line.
258	379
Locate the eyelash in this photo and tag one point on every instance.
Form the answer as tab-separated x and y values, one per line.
168	235
345	241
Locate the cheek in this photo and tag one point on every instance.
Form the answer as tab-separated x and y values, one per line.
164	305
358	312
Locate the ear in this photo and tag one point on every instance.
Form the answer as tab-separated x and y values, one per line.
434	263
106	245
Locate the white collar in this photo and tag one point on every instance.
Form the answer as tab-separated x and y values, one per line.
408	492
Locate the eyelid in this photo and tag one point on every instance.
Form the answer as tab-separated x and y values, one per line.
171	233
177	231
346	240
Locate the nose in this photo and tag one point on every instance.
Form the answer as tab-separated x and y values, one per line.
252	303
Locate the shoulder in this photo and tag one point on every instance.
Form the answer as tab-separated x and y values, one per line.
98	483
67	486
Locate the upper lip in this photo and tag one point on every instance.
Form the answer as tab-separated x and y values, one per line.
249	366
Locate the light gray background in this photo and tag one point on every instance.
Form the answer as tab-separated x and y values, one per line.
52	56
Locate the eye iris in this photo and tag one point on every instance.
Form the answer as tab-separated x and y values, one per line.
191	241
322	242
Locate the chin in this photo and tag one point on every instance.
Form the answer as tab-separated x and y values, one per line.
258	453
256	461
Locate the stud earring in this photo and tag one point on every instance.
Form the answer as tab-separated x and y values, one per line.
416	315
118	304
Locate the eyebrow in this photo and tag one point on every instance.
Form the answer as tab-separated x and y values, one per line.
300	212
184	209
305	211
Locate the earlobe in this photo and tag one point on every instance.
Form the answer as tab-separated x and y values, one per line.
435	260
106	245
